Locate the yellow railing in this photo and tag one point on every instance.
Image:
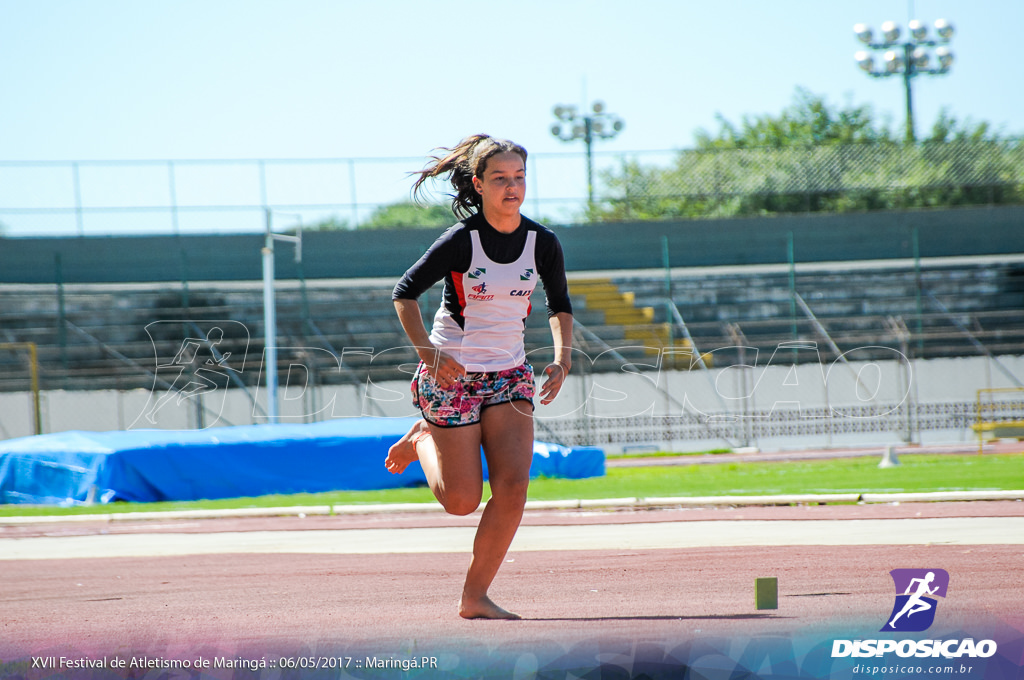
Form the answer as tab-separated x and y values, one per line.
986	409
33	368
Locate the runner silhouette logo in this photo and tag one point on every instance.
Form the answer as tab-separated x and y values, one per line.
914	610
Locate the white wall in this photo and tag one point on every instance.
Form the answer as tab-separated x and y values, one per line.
600	397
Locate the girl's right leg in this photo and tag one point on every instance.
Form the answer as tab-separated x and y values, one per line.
456	477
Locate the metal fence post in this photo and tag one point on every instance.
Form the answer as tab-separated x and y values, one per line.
792	289
670	302
173	196
917	286
269	323
352	191
76	182
62	331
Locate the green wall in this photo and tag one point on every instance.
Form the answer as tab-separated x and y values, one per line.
387	253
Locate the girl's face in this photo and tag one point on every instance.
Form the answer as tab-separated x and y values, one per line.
503	186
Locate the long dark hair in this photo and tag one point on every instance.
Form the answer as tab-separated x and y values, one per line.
463	162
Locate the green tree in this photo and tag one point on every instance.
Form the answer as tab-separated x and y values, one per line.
948	129
409	214
809	120
815	157
332	223
401	215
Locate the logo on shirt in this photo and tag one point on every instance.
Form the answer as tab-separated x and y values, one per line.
526	275
476	273
480	292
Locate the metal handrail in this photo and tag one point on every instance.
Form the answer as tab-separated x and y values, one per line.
592	337
973	339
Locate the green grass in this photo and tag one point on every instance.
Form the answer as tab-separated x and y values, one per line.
916	473
666	454
844	475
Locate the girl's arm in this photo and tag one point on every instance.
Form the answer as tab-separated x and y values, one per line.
556	372
441	366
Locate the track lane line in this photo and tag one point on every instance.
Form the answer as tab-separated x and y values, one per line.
654	535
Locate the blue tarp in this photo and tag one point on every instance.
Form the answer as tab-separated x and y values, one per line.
158	465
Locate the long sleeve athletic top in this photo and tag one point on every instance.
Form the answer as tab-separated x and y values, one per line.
488	278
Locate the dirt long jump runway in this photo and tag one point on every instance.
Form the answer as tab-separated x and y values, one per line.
387	584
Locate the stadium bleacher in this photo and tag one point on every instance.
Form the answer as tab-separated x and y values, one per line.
110	336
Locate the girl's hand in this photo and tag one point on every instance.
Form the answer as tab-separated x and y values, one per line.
555	378
444	369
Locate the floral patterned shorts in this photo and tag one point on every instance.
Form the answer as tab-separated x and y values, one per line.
463	403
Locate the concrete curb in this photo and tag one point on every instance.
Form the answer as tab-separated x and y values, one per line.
578	504
947	496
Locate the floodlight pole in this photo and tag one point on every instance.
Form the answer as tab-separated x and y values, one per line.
913	61
909	72
573	125
270	311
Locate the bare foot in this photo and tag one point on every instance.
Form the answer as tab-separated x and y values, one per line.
483	608
403	451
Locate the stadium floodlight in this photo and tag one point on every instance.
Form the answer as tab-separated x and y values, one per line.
893	61
909	59
865	61
917	30
597	124
921	59
890	33
944	29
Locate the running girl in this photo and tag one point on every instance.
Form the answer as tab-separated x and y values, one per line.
474	386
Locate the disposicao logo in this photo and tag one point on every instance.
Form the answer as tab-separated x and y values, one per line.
914	610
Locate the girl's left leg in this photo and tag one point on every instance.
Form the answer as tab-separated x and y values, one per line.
507	438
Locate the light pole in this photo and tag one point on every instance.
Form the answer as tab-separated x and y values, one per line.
914	60
574	125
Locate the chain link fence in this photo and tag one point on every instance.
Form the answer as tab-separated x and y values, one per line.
844	168
906	420
833	178
92	198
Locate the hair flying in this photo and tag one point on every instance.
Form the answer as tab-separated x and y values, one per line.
463	162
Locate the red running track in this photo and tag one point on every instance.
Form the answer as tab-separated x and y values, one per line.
402	605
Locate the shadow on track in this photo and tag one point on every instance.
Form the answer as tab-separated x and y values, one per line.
711	617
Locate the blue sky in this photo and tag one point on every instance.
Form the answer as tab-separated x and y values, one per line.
190	79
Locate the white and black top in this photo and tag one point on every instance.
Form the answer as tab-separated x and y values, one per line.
488	278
